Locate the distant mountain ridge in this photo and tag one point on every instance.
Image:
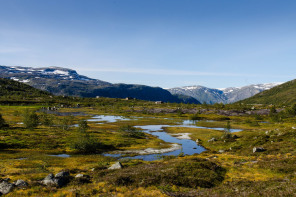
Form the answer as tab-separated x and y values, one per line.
64	81
222	95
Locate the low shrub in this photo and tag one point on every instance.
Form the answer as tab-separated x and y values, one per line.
191	173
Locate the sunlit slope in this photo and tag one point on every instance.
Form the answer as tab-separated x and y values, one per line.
282	94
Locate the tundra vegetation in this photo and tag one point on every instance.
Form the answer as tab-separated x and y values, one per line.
257	161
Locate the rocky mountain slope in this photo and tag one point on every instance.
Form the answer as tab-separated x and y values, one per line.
63	81
223	95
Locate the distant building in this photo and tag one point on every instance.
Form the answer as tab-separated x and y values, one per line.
158	102
129	98
97	96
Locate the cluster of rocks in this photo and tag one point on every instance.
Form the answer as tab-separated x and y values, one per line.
59	180
62	178
6	186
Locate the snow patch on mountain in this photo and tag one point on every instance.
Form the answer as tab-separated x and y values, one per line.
222	95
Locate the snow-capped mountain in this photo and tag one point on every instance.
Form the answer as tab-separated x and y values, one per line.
64	81
204	94
222	95
26	74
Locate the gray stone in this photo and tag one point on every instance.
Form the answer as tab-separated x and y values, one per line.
62	174
198	141
59	180
6	187
82	176
21	183
258	149
49	177
212	140
115	166
221	151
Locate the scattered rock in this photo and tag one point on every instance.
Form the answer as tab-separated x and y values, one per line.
6	187
49	180
267	132
198	141
21	183
221	151
212	140
62	174
258	149
59	180
82	178
116	166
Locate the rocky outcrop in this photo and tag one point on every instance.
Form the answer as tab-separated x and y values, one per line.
6	187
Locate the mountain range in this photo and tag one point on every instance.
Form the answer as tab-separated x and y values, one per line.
222	95
64	81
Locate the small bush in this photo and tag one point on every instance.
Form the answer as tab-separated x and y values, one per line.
190	173
130	131
85	144
194	117
2	122
31	119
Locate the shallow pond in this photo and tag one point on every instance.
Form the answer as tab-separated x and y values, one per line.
187	146
107	118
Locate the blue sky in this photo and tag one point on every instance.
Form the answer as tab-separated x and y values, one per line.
165	43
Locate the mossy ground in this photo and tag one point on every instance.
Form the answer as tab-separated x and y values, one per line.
235	172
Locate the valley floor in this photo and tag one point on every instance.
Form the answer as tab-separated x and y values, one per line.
230	166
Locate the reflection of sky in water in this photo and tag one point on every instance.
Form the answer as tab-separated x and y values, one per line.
106	118
189	147
61	155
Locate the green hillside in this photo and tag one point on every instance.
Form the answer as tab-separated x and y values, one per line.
282	94
15	91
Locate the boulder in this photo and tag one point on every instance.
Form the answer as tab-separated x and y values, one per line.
6	187
59	180
21	183
221	151
258	149
49	180
115	166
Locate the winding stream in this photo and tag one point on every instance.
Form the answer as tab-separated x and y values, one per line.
187	146
180	144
